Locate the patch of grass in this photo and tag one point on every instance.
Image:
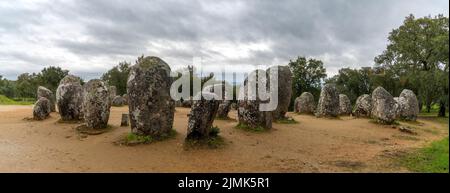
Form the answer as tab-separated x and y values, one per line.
18	101
430	159
286	120
248	128
132	139
375	121
213	141
406	137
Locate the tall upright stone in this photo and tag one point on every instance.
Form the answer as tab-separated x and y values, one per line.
305	104
383	106
96	105
41	109
47	93
249	113
283	77
225	103
328	105
69	98
150	104
202	116
345	106
408	105
112	92
363	106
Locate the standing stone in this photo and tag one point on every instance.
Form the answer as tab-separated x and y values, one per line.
44	92
124	121
187	103
284	80
408	105
328	102
96	105
383	106
118	101
112	92
202	116
345	106
41	109
363	106
150	104
125	97
69	98
248	110
225	103
305	104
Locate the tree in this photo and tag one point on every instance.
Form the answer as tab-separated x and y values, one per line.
50	77
307	76
418	52
118	77
26	85
353	82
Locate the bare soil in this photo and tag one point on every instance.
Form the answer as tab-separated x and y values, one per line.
312	145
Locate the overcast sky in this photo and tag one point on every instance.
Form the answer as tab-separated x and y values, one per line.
88	37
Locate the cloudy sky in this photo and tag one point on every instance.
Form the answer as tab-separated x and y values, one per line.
90	36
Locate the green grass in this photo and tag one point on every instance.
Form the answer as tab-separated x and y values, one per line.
430	159
213	141
133	139
286	120
17	101
248	128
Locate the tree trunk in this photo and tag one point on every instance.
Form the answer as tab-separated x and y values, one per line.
420	106
428	107
441	109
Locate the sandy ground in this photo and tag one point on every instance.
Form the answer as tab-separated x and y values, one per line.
312	145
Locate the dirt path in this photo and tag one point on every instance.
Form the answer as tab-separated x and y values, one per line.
312	145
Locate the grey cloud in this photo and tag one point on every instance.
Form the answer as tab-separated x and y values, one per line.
312	28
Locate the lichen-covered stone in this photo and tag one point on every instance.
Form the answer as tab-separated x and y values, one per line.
284	80
118	101
383	106
44	92
305	104
124	120
69	98
202	116
41	109
96	105
328	105
112	92
363	106
409	105
345	106
248	105
225	104
125	97
150	104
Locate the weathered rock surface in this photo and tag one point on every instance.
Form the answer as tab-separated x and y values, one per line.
118	101
224	109
345	106
409	105
96	105
305	104
69	98
363	106
328	102
112	92
225	103
202	116
284	81
248	110
124	120
41	109
150	104
125	97
44	92
383	106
